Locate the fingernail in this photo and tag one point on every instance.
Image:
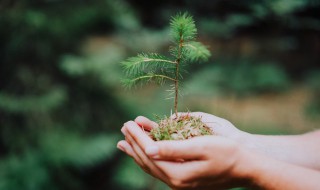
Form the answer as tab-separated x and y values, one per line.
123	131
120	148
130	123
152	150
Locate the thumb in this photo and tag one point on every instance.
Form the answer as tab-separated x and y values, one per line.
190	149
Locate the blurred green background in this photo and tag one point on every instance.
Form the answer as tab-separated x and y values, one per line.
61	100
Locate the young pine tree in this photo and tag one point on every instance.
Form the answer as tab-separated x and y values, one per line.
147	67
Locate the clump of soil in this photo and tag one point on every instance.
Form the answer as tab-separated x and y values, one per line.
183	127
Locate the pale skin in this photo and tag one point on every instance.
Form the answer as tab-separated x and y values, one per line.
230	158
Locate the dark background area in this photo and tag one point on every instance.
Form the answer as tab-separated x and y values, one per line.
62	103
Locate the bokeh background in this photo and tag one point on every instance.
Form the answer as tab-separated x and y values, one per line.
62	103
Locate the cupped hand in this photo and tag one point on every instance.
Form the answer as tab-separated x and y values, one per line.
199	163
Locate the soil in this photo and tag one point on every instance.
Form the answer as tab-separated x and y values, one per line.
181	128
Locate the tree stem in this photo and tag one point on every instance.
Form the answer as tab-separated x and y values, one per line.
176	91
176	83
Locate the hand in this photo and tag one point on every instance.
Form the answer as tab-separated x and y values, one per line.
208	161
223	160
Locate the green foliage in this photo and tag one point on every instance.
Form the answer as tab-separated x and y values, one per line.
242	79
286	14
287	6
102	66
196	51
32	170
183	28
128	169
227	27
61	104
46	102
313	82
58	120
154	67
63	148
146	67
141	180
27	171
153	40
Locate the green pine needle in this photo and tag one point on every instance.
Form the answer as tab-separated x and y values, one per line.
144	63
146	68
183	28
147	78
152	67
196	51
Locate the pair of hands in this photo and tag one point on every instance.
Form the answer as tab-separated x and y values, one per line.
199	163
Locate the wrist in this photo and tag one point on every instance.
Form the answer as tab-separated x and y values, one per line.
248	141
244	168
244	139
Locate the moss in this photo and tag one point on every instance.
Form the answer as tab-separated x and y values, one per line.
183	127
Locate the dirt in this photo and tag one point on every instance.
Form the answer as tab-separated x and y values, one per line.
181	128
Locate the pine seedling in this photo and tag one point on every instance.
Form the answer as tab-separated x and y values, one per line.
152	67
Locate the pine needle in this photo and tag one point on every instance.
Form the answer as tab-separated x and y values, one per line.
183	28
152	67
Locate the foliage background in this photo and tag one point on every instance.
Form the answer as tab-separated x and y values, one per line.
62	104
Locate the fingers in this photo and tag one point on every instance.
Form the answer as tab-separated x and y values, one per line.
139	157
168	172
138	134
146	164
169	150
191	149
173	171
125	147
145	123
137	138
183	170
143	158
